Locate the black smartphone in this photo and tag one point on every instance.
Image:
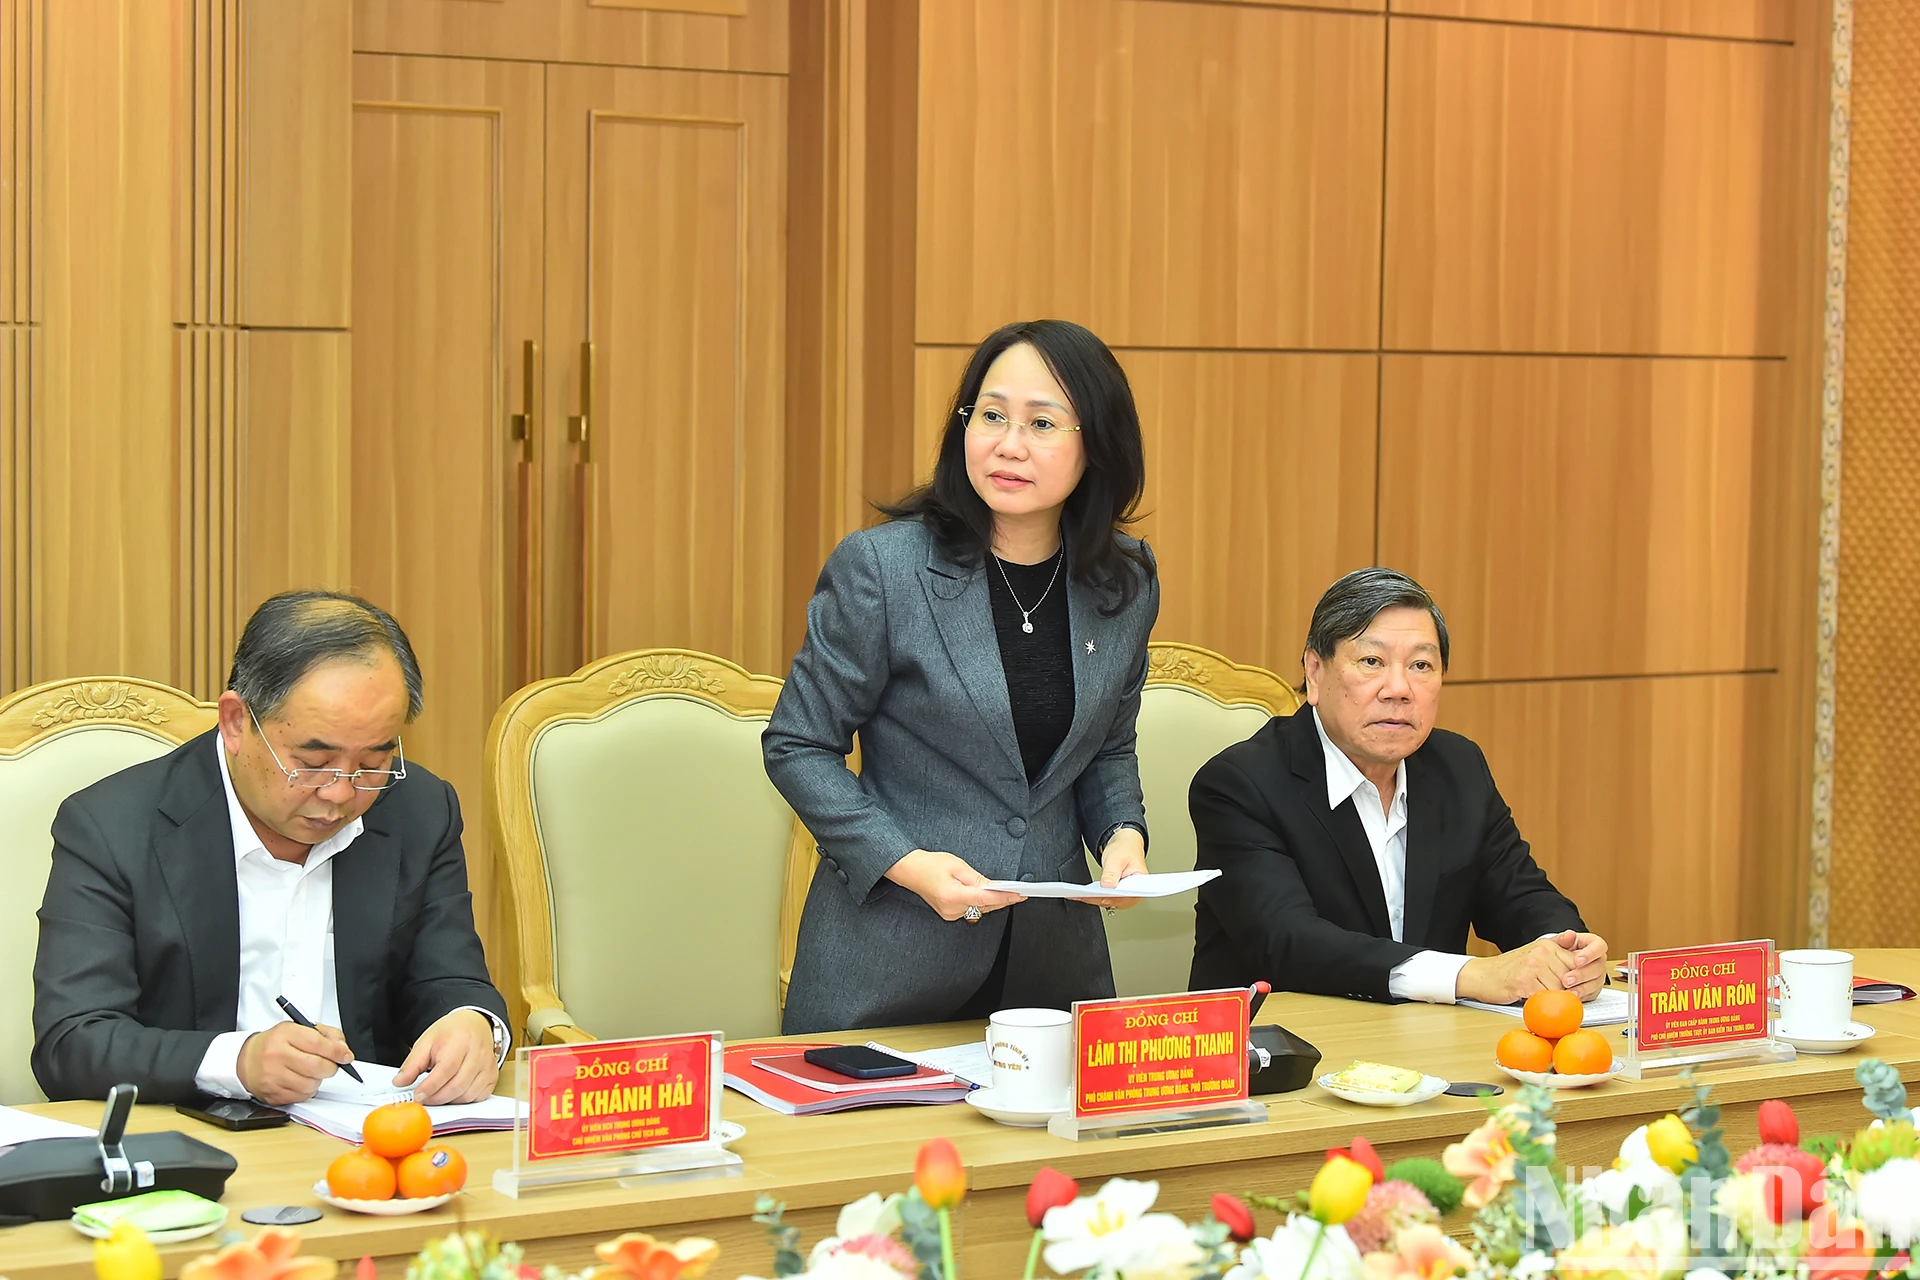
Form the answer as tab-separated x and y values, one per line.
859	1061
232	1113
1470	1089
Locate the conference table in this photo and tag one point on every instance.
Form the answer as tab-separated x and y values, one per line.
816	1164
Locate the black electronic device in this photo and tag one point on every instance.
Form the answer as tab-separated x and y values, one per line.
232	1113
44	1180
1472	1089
1279	1061
859	1062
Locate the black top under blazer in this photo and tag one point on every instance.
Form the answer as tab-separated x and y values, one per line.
1299	903
138	967
901	650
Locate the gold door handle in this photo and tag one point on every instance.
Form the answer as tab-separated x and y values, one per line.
578	425
520	426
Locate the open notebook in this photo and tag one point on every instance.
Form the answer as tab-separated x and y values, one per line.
341	1105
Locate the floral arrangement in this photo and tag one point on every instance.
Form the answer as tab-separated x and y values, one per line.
1672	1205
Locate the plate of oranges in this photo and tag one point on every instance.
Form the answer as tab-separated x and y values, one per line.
1553	1049
397	1169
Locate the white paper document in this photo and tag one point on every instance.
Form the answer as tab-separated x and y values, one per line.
18	1126
1607	1009
969	1062
341	1105
1152	884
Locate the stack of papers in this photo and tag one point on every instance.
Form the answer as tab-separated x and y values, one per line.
341	1106
18	1126
1151	884
778	1090
1607	1009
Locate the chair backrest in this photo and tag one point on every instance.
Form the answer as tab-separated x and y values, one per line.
640	847
1195	704
56	739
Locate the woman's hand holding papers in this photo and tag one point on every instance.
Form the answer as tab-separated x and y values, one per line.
1125	855
947	883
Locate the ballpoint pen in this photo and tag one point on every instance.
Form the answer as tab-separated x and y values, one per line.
286	1007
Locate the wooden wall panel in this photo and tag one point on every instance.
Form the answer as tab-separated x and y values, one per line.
22	77
1635	795
703	35
1581	517
665	248
1734	19
1167	174
102	453
1246	542
294	499
296	128
208	383
207	103
19	386
1581	191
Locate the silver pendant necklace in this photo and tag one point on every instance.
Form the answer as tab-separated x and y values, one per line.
1026	614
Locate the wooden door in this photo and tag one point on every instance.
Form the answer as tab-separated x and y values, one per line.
446	293
666	252
715	35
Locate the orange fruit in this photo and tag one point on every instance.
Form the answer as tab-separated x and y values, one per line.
1523	1051
434	1171
1552	1014
397	1129
1584	1053
361	1175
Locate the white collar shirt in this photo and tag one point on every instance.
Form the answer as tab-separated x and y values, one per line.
286	938
1430	975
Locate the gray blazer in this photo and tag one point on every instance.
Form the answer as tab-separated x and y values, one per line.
901	649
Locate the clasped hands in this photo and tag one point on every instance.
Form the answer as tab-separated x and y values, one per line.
950	885
1567	961
452	1061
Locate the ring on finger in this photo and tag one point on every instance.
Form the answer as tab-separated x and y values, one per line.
972	914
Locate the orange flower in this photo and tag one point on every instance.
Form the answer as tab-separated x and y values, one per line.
939	1175
270	1256
639	1255
1485	1158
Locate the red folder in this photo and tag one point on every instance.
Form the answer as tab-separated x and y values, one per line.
794	1098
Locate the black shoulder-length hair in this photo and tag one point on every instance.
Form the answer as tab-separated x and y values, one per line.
1100	506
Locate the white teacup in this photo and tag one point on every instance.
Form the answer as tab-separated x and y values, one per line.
1816	994
1032	1052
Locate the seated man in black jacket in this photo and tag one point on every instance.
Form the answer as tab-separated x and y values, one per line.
1358	842
291	852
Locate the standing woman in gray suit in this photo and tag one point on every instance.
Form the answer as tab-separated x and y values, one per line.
987	644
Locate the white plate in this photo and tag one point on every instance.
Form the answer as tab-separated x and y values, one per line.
1554	1080
728	1133
981	1100
1856	1033
1429	1088
380	1208
160	1237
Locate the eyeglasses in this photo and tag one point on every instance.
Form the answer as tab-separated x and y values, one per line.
1042	433
314	779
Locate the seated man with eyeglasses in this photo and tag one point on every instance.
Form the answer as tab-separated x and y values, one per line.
292	852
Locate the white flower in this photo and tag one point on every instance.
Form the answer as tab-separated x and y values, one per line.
1532	1266
1889	1201
1634	1149
1663	1230
1707	1273
1611	1189
851	1266
1088	1232
1157	1247
1284	1257
868	1216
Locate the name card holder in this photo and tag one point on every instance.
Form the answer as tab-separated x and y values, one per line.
1159	1064
1690	1006
642	1111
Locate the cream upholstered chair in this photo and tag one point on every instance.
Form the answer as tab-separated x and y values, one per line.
640	848
56	739
1195	704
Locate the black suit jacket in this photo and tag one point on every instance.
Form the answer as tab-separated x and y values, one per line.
139	960
1299	902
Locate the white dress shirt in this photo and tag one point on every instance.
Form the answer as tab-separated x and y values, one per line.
286	939
286	942
1430	975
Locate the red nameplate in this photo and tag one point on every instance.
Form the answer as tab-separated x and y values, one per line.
1690	997
619	1095
1159	1053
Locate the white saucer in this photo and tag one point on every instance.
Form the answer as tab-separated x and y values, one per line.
981	1100
1429	1088
1554	1080
727	1132
159	1237
1856	1033
381	1208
